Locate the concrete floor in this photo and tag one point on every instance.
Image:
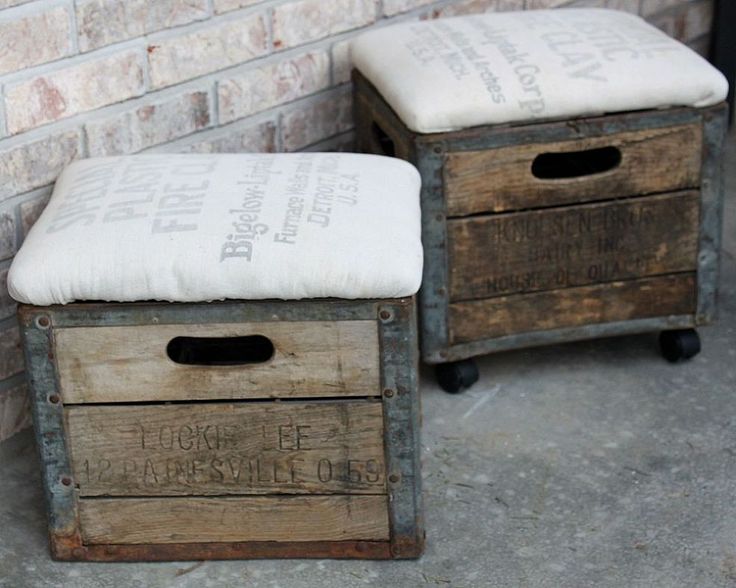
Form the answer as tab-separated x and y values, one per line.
588	464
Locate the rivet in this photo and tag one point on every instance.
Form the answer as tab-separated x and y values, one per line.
43	322
66	480
388	393
393	478
384	315
54	399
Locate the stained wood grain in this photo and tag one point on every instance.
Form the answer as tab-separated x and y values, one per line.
125	364
198	520
245	448
502	254
495	180
570	307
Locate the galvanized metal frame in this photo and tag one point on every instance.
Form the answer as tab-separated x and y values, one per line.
428	153
715	126
396	324
48	421
402	422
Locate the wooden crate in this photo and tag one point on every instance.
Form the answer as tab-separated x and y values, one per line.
560	230
152	452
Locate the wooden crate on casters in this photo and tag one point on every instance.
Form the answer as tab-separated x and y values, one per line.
543	220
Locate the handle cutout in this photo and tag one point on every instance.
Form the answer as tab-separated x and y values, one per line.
382	140
575	164
220	350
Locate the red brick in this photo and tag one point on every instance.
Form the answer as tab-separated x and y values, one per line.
37	163
79	88
273	84
308	20
228	5
31	209
477	6
392	7
34	39
328	116
7	304
101	22
8	238
149	125
258	138
207	50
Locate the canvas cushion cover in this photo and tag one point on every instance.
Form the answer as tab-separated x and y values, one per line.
208	227
454	73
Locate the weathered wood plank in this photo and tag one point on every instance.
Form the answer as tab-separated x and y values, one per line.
197	520
378	129
495	180
570	307
130	364
497	255
222	448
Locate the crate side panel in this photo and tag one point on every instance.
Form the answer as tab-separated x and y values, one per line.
573	307
130	364
262	518
223	448
497	255
495	180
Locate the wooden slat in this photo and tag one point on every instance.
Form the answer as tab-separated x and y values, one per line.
125	364
570	307
494	180
220	448
496	255
197	520
374	117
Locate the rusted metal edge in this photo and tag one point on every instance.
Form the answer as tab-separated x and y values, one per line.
537	130
563	335
48	423
213	551
434	294
97	314
715	125
402	423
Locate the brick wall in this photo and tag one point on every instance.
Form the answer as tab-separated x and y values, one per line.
82	78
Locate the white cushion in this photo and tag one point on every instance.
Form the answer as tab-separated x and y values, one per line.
208	227
495	68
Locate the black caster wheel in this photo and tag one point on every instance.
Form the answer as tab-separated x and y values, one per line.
679	345
455	376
